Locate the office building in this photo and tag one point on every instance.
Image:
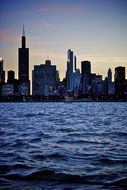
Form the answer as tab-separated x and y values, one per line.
7	89
2	75
71	65
44	79
120	80
23	67
11	76
111	87
86	77
2	72
98	85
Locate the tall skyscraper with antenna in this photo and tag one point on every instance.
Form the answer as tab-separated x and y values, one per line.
23	66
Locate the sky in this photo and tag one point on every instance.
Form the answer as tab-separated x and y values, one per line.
96	30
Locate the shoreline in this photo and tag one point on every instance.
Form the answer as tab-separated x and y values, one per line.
62	99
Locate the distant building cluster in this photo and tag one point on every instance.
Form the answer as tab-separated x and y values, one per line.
87	83
46	82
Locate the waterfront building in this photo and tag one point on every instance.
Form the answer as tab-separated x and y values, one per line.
98	85
77	79
7	89
11	76
2	75
71	65
111	87
120	80
105	86
2	72
44	79
11	80
86	77
75	63
23	66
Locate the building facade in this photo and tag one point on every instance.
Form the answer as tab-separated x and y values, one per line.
44	79
86	77
2	75
120	81
23	66
71	65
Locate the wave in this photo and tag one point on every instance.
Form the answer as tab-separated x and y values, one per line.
34	114
4	169
19	166
121	183
112	161
124	134
50	175
49	156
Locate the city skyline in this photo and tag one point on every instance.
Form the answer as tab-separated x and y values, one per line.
95	30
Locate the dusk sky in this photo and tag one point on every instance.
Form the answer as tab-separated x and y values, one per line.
95	30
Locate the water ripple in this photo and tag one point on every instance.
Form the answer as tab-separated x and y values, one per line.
63	146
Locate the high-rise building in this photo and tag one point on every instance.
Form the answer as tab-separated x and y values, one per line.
44	79
75	62
2	72
77	79
86	76
98	85
110	83
109	76
11	81
23	72
71	65
85	68
120	80
11	76
2	75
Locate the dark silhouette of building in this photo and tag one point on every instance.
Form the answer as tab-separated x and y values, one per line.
11	80
2	72
111	88
44	79
23	66
85	68
120	80
11	76
75	59
71	64
86	76
2	75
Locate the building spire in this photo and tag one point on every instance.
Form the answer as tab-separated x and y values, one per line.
23	32
23	38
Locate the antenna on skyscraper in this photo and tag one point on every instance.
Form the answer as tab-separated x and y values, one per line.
23	32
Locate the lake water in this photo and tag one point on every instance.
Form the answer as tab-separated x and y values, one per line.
63	146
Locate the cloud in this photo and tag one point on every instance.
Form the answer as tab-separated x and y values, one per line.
45	9
6	36
62	8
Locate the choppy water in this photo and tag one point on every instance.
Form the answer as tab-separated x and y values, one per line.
63	146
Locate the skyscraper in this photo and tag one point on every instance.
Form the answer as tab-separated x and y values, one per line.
44	79
120	80
86	76
85	68
71	64
2	72
2	75
23	66
110	83
109	76
11	76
